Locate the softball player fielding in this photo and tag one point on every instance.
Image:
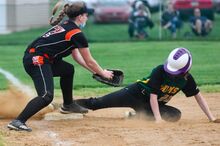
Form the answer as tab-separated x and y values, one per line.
43	60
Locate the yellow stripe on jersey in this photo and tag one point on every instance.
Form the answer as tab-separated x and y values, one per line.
144	81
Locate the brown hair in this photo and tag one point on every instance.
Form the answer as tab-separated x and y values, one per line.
71	10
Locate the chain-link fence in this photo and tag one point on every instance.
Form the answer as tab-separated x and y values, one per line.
19	15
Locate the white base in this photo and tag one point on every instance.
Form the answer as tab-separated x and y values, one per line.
54	116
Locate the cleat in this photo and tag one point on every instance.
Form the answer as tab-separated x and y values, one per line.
73	108
90	103
83	102
18	126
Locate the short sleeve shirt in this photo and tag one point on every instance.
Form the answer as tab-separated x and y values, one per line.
165	86
59	41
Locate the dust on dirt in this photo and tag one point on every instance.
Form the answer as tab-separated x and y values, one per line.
13	101
109	127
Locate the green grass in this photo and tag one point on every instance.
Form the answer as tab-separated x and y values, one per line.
4	83
1	143
135	59
112	48
1	139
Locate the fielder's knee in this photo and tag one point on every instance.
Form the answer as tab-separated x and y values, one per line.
48	98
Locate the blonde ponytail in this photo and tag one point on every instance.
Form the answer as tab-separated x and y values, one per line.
61	14
72	10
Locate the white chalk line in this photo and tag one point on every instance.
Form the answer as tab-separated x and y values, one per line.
56	141
17	83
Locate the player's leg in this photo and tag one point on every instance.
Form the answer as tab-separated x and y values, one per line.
131	29
207	27
198	26
115	99
66	71
172	28
169	113
43	81
126	97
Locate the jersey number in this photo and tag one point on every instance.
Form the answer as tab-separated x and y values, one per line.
165	98
57	29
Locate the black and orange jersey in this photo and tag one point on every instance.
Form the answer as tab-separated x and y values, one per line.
59	41
165	86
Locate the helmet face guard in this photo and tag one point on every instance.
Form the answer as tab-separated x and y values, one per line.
178	62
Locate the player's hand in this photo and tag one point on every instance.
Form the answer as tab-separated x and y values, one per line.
108	74
113	77
159	121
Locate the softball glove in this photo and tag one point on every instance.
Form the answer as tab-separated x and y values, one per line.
116	81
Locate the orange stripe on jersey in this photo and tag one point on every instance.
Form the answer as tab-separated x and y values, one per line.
71	33
32	50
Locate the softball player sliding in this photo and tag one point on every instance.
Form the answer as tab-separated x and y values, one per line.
151	94
43	61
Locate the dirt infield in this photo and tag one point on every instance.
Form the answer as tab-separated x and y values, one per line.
109	127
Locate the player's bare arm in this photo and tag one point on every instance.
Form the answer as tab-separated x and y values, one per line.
204	106
155	108
92	64
79	59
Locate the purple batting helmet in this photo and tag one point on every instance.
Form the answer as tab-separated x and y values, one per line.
178	62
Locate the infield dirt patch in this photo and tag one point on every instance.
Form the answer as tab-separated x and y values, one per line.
109	127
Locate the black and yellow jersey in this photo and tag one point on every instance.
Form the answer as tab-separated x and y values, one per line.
166	86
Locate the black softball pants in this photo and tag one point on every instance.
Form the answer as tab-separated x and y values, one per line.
132	97
42	77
